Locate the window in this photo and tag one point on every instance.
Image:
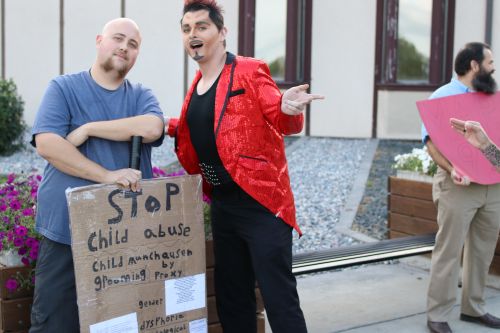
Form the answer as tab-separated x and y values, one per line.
414	42
270	35
278	32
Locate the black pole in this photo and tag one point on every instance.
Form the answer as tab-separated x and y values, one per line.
135	152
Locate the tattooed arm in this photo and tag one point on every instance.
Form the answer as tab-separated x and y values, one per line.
476	136
492	153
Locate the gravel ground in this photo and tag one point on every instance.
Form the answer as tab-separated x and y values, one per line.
371	217
322	172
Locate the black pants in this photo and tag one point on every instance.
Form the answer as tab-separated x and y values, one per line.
250	244
54	303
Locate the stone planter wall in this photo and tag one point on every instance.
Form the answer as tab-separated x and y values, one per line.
412	212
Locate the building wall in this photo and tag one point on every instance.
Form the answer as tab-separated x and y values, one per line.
343	51
398	116
470	22
31	48
160	63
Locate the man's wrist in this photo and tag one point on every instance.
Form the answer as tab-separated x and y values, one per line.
486	146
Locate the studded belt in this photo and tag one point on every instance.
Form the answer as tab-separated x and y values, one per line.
215	174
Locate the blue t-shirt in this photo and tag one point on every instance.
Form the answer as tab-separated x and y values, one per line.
454	87
69	102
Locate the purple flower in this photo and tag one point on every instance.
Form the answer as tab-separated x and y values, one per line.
25	261
3	207
10	178
12	194
206	199
34	254
15	205
6	219
21	230
22	251
11	284
28	212
30	241
18	242
39	178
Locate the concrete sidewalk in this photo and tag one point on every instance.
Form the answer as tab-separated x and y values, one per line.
378	298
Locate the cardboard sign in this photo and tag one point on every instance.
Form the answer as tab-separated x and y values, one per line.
467	159
140	257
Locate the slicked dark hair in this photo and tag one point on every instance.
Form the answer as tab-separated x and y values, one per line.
214	10
471	51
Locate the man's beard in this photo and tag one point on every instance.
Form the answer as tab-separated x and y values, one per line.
484	82
108	66
196	56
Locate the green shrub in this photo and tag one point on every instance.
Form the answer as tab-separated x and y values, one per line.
12	125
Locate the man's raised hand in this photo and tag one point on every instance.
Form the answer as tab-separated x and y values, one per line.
295	100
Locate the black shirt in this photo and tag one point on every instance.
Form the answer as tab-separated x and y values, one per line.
200	119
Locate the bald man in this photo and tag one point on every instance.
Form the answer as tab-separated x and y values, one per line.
82	129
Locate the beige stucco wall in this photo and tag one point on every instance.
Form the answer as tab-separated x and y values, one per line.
31	48
82	23
398	116
470	22
160	63
343	51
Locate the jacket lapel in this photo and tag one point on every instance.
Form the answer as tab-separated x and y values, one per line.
223	91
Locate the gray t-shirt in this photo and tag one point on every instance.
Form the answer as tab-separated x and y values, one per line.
69	102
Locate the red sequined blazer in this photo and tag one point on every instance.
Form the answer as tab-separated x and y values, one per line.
249	128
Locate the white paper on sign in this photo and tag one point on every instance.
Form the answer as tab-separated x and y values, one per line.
123	324
198	326
185	294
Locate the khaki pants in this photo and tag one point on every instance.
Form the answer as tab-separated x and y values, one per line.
470	216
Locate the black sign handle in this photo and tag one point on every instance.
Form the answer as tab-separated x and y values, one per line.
135	152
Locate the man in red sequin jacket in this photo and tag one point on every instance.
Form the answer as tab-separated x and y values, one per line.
231	131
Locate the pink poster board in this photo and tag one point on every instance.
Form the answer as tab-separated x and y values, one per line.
468	160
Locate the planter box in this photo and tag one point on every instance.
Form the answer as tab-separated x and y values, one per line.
411	211
9	272
15	314
15	307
